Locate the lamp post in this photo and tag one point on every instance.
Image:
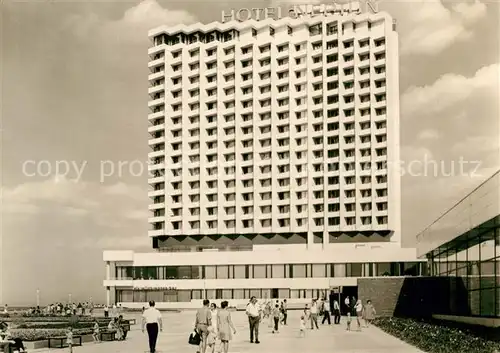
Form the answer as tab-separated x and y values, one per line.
38	297
69	298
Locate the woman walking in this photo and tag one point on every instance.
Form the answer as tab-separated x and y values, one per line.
359	313
369	313
214	312
314	315
225	326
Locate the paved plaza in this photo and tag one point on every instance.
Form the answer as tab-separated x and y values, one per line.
334	338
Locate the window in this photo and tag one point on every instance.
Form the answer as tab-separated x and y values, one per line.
259	271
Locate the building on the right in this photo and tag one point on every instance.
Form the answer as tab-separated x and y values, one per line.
464	245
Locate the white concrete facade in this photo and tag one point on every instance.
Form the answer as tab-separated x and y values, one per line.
272	127
331	262
279	127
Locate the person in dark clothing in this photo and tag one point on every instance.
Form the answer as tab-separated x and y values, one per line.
151	321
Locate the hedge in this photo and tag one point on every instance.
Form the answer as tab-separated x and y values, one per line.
434	338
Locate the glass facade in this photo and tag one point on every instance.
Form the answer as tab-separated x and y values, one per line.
143	296
474	259
463	246
271	271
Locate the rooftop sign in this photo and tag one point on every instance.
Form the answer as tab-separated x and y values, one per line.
297	11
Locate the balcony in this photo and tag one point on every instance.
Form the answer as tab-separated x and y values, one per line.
156	75
157	206
156	141
155	180
156	89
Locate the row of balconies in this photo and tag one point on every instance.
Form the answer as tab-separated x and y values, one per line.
284	199
265	211
348	60
325	42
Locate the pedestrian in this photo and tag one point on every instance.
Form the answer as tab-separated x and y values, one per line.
203	320
276	318
369	313
347	304
326	312
314	315
307	313
359	313
214	312
152	322
69	339
302	328
285	312
95	333
336	312
348	321
253	312
225	326
106	311
211	339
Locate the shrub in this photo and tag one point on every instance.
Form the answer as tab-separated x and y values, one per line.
31	334
433	338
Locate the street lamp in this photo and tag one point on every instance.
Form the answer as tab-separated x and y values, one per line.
38	297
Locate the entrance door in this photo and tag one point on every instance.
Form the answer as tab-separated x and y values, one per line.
275	293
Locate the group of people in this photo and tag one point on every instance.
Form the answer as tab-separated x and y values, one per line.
213	324
277	313
363	312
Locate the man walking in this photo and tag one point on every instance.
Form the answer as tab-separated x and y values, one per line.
253	313
336	312
151	321
203	321
285	314
326	312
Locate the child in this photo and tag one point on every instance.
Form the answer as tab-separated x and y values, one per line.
95	334
211	338
348	321
69	339
276	318
302	326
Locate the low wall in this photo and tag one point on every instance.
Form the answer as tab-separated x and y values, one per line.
45	343
418	297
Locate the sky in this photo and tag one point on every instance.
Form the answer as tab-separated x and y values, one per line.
74	138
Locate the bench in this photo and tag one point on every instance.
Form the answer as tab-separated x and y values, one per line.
110	334
61	342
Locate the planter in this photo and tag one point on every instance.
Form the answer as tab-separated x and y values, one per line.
45	343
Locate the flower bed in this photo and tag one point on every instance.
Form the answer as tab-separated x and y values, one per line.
59	325
432	337
35	334
53	319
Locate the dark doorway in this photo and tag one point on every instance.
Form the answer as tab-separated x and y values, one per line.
350	292
275	293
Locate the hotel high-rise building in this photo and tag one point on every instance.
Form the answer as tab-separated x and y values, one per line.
274	153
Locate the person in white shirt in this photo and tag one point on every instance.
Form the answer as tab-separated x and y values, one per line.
314	315
336	312
151	321
253	313
326	312
359	313
347	303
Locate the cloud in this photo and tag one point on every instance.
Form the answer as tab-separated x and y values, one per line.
61	226
133	26
428	134
449	90
428	27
